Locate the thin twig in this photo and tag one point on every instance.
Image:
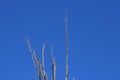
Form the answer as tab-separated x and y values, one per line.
43	59
54	69
66	25
53	63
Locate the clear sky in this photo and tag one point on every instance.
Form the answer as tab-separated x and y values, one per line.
94	37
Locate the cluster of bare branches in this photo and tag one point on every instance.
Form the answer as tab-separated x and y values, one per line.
39	67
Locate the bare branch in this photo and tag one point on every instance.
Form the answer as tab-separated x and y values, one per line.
66	25
43	55
39	66
29	45
54	69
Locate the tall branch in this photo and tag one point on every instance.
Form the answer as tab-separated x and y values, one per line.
53	63
66	25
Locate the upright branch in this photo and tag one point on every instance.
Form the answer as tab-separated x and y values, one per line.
43	66
53	63
66	25
53	69
43	58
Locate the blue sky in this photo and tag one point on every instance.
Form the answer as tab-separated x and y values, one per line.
94	37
